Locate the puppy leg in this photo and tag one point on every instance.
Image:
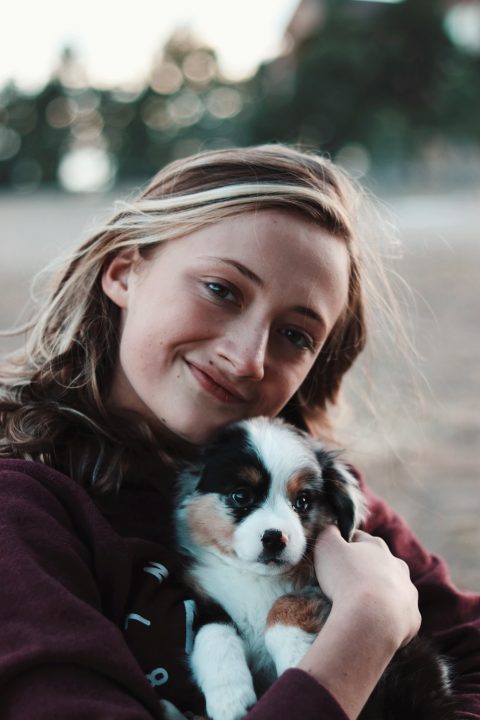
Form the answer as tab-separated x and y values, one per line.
220	669
292	625
287	645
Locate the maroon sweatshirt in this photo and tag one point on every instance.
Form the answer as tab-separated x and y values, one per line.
95	624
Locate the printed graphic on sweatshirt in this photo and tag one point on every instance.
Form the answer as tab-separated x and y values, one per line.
162	647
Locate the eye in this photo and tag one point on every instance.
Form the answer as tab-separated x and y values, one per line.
303	502
242	497
220	290
300	339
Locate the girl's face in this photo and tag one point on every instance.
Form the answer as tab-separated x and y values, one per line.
225	323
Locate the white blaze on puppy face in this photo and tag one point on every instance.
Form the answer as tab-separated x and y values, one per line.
275	514
282	453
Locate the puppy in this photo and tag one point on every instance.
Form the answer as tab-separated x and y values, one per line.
247	518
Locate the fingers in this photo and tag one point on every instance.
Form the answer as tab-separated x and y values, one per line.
361	536
330	535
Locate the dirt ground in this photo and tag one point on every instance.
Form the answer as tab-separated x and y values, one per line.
420	447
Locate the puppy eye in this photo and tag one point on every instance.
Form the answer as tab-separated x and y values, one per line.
242	497
303	502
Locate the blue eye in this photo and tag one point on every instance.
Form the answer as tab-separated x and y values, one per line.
220	290
300	339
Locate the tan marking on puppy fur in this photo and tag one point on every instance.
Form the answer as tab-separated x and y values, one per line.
296	483
210	524
252	476
307	613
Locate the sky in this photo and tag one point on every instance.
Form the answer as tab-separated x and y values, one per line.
116	40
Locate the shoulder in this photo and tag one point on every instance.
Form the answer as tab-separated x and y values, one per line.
45	513
26	475
26	483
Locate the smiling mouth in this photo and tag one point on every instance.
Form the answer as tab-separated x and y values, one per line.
214	388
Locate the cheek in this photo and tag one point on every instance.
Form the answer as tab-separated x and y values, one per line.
138	346
282	387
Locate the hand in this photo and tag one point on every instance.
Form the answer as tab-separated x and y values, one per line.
363	578
374	612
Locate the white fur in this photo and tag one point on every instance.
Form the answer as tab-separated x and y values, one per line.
247	598
287	645
220	668
282	451
276	514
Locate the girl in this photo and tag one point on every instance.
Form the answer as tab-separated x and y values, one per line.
233	286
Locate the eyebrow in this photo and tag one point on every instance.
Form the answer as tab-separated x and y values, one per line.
299	309
241	268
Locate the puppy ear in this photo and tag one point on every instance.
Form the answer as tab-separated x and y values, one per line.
341	492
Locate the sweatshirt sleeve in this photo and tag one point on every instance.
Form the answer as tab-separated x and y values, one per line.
294	696
451	618
60	656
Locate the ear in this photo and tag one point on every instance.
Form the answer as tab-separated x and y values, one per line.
341	492
116	276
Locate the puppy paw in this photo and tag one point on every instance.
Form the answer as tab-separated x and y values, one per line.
231	702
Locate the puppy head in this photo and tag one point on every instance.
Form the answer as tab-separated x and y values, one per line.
263	491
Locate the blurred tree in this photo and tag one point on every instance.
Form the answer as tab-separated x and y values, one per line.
385	76
380	82
41	143
187	105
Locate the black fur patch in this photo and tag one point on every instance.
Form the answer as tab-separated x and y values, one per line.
227	462
335	493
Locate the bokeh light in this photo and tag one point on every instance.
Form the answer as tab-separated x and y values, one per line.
87	170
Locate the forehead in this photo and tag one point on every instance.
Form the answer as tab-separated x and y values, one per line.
288	252
262	233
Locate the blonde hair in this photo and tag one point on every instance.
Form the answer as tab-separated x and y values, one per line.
54	393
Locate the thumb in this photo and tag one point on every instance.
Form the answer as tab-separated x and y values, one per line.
329	538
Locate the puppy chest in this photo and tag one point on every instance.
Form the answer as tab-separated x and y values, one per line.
247	600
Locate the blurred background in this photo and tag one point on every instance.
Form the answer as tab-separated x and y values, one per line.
97	100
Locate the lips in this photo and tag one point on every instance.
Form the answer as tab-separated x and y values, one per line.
215	384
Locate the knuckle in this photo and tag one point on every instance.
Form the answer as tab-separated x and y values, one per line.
380	542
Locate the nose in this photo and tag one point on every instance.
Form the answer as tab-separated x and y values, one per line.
244	349
274	541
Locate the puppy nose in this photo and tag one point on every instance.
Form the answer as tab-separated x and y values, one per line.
274	540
